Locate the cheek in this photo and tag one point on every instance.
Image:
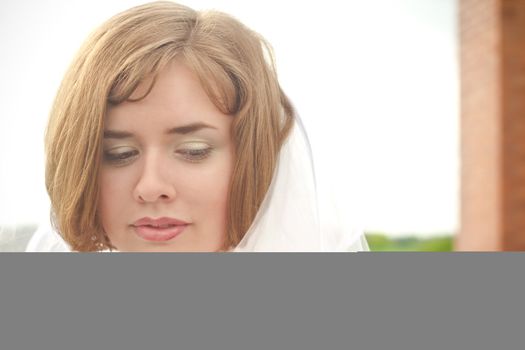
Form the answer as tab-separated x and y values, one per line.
207	189
113	194
117	184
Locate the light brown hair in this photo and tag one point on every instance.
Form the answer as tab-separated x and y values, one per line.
236	68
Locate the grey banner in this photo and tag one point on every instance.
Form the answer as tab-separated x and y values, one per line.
262	301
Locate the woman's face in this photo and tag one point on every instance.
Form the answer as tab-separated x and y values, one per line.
166	168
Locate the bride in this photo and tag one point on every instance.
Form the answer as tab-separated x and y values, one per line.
170	133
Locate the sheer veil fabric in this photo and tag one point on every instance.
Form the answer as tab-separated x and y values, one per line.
294	216
46	239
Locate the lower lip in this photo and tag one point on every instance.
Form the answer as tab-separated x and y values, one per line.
156	234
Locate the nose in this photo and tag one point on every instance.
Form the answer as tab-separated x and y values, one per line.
154	181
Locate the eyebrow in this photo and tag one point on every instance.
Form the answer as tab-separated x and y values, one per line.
182	130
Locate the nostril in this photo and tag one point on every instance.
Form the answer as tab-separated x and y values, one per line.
150	189
154	197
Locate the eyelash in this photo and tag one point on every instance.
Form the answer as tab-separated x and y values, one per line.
120	158
191	155
195	155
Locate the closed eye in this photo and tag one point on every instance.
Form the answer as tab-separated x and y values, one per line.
195	155
122	157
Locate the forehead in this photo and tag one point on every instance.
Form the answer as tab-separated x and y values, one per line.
176	95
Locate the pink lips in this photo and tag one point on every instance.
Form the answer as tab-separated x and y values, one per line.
159	230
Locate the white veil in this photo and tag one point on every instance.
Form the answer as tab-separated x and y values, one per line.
294	216
46	239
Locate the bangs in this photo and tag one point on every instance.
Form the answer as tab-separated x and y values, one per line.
221	85
134	73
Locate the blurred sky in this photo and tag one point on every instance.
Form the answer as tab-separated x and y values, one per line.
374	81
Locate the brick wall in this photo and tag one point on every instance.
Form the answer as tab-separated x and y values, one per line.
513	114
492	58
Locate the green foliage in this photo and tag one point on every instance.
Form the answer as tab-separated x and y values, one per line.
381	242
